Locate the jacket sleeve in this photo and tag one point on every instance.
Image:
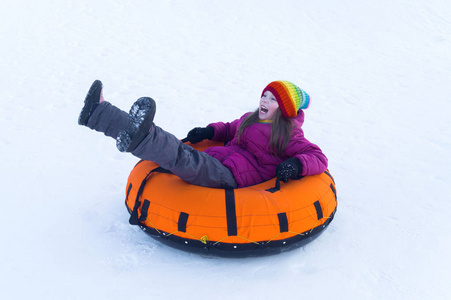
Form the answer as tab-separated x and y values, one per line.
310	155
225	132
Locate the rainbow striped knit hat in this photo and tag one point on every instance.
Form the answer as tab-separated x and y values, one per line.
289	96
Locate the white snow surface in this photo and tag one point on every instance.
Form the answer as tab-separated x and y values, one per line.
378	73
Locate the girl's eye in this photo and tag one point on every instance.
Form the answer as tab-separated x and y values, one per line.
273	99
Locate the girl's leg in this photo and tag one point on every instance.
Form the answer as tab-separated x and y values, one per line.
193	166
108	119
157	145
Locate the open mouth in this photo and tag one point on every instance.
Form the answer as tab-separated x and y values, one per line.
263	110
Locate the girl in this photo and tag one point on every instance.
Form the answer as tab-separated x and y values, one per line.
260	145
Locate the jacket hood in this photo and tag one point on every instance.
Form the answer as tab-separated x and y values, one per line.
299	119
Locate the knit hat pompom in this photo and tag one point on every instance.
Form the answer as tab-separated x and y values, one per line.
289	96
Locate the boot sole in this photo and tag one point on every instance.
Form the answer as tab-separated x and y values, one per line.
141	116
91	102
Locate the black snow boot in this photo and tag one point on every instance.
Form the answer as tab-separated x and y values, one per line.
140	120
91	102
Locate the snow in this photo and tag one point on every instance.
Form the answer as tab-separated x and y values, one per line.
377	72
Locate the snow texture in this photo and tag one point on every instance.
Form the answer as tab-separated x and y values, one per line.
378	73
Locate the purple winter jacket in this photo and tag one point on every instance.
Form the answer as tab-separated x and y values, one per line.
251	161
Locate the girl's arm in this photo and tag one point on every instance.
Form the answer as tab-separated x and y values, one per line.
312	159
225	132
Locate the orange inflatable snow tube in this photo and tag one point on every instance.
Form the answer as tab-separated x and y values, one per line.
268	216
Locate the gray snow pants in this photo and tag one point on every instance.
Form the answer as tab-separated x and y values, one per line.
165	149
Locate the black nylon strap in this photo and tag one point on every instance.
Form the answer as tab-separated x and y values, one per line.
232	229
276	188
128	191
183	219
134	215
283	222
161	170
333	190
319	211
328	174
144	211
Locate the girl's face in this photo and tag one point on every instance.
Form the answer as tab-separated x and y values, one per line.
268	106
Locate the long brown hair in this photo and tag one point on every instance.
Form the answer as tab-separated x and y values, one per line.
281	128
